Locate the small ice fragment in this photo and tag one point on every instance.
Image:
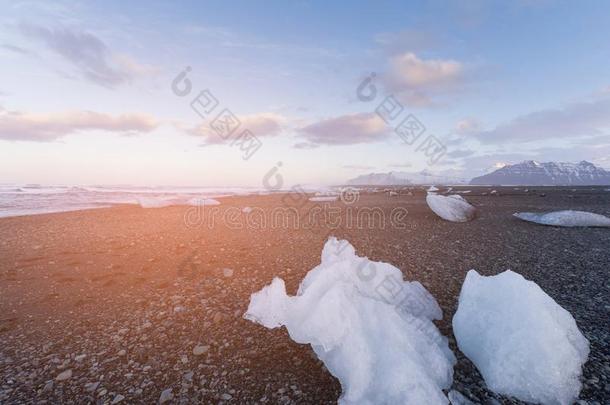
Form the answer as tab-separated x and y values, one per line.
154	202
452	208
523	343
203	201
372	330
457	398
323	199
567	218
246	210
325	193
432	189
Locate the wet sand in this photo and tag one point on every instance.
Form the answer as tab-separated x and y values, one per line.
135	301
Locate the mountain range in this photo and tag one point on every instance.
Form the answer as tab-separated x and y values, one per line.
532	173
406	178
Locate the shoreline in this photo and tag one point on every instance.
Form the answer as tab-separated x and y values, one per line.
380	189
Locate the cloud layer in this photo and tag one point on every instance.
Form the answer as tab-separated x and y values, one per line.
418	81
358	167
575	120
261	125
89	54
346	130
467	126
19	126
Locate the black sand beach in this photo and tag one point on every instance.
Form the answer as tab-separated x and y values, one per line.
125	304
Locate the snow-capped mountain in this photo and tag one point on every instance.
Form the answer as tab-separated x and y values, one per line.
532	173
405	178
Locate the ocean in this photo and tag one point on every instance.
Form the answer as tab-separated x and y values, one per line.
31	199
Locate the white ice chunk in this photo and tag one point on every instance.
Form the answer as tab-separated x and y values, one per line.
523	343
322	199
452	208
432	189
203	201
326	193
154	202
565	218
246	210
372	330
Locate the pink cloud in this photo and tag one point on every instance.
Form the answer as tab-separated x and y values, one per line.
261	125
20	126
346	130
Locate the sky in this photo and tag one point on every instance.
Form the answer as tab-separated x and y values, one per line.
218	93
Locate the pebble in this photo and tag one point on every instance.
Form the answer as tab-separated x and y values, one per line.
217	317
91	387
48	387
117	399
226	397
199	350
166	395
227	272
65	375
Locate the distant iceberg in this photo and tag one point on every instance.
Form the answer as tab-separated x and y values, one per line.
160	202
567	218
323	198
382	351
524	344
203	201
452	208
154	202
